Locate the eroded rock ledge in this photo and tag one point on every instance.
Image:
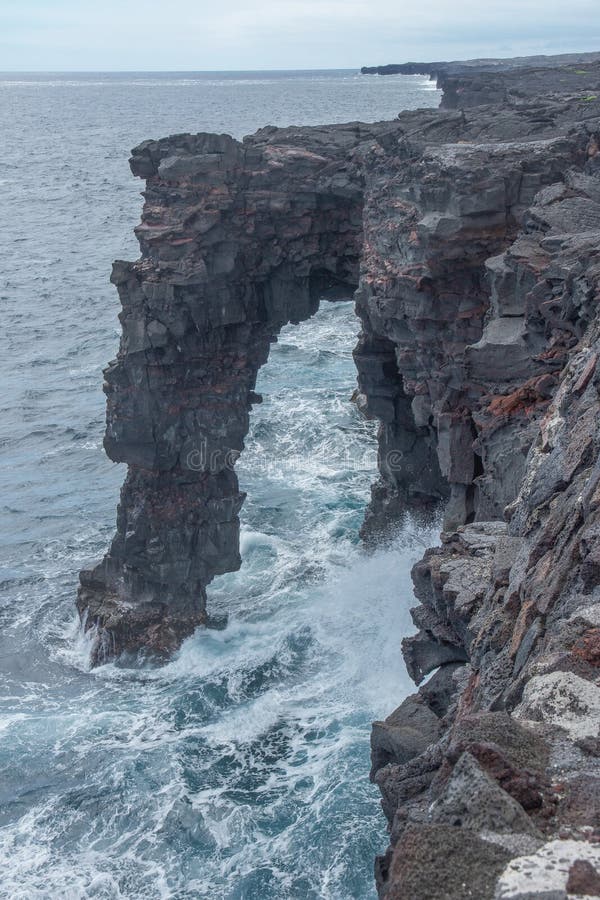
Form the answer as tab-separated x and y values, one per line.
489	774
472	239
474	67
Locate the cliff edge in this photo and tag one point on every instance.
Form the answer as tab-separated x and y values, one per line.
471	238
474	67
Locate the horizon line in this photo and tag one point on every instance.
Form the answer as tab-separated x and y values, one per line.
357	68
170	71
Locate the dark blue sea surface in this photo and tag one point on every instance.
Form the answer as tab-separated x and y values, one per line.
239	769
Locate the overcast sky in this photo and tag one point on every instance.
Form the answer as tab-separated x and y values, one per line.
289	34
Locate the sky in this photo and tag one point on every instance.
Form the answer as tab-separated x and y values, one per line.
179	35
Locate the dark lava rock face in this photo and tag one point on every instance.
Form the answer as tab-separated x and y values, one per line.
471	237
474	67
509	602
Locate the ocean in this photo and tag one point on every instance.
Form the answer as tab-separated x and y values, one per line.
238	770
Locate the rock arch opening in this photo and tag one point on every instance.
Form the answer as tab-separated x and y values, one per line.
240	238
237	240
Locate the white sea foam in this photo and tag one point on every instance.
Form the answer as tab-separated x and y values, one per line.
238	769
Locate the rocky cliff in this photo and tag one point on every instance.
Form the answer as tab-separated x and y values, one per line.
494	762
489	774
474	67
472	239
462	90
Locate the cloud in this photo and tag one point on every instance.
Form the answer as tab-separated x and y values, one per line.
195	34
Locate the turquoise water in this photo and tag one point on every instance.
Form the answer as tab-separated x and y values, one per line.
238	770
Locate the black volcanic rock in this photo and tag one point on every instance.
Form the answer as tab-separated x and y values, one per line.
513	86
237	240
240	238
471	238
471	66
521	600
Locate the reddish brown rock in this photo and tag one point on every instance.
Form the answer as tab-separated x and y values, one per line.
584	879
443	862
588	647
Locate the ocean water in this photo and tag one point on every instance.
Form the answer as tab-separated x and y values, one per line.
239	769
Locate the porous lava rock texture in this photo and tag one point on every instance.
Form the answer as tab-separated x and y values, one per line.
470	236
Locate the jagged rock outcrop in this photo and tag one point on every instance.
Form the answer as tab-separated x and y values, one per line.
473	67
237	240
579	78
510	609
468	83
472	239
437	214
